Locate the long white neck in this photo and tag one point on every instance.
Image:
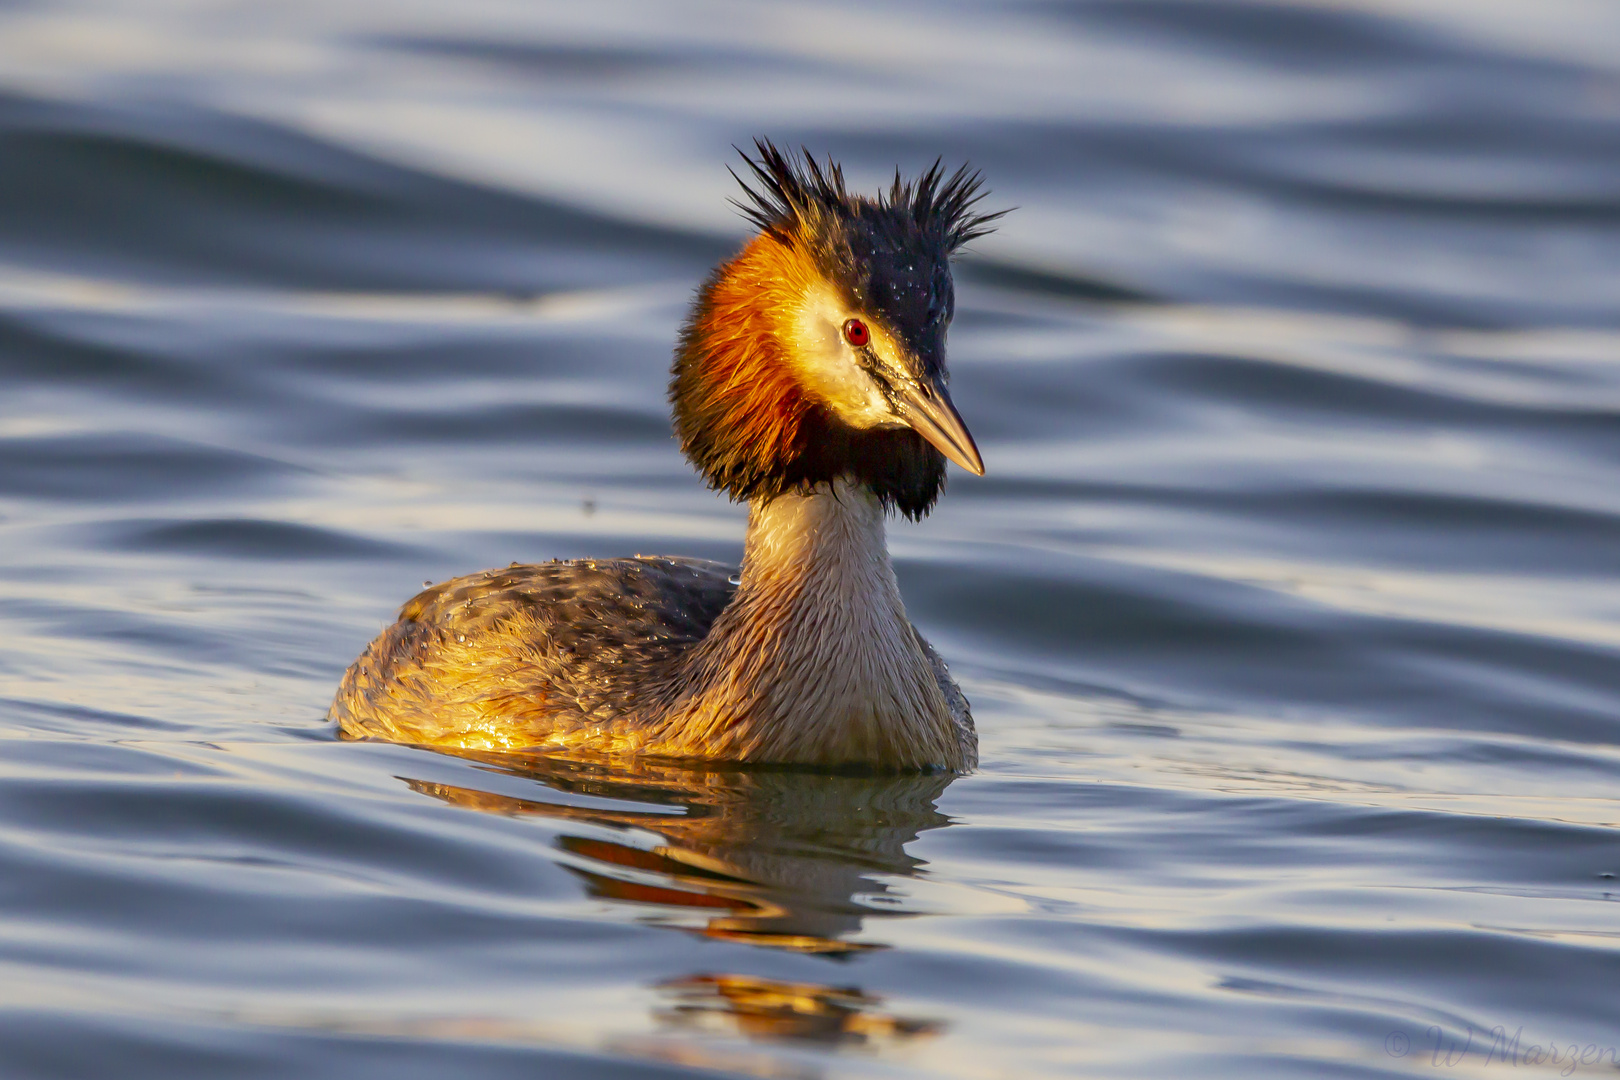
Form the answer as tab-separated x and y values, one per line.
815	661
829	544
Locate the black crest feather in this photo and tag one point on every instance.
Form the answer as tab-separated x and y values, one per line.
789	198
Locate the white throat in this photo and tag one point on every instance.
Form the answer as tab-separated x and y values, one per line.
831	543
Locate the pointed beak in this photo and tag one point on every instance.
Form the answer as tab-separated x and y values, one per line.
926	408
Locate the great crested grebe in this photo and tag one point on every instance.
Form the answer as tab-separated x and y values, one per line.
809	379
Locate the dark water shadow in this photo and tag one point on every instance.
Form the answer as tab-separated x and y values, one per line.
1050	284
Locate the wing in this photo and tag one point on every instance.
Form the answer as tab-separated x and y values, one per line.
505	658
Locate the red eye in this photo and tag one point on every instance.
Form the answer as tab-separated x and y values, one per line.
856	334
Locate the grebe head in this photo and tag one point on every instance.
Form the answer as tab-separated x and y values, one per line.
819	351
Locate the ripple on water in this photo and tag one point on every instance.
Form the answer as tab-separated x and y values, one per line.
1286	607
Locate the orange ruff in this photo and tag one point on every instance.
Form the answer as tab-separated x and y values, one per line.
746	376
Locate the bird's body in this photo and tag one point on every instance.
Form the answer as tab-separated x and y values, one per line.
809	381
677	657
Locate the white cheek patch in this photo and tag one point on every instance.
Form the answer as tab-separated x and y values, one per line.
829	367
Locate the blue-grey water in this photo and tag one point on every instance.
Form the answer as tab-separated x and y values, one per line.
1289	608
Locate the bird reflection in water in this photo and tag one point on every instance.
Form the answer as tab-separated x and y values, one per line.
777	858
771	1009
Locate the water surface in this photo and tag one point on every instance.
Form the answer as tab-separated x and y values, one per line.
1289	607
